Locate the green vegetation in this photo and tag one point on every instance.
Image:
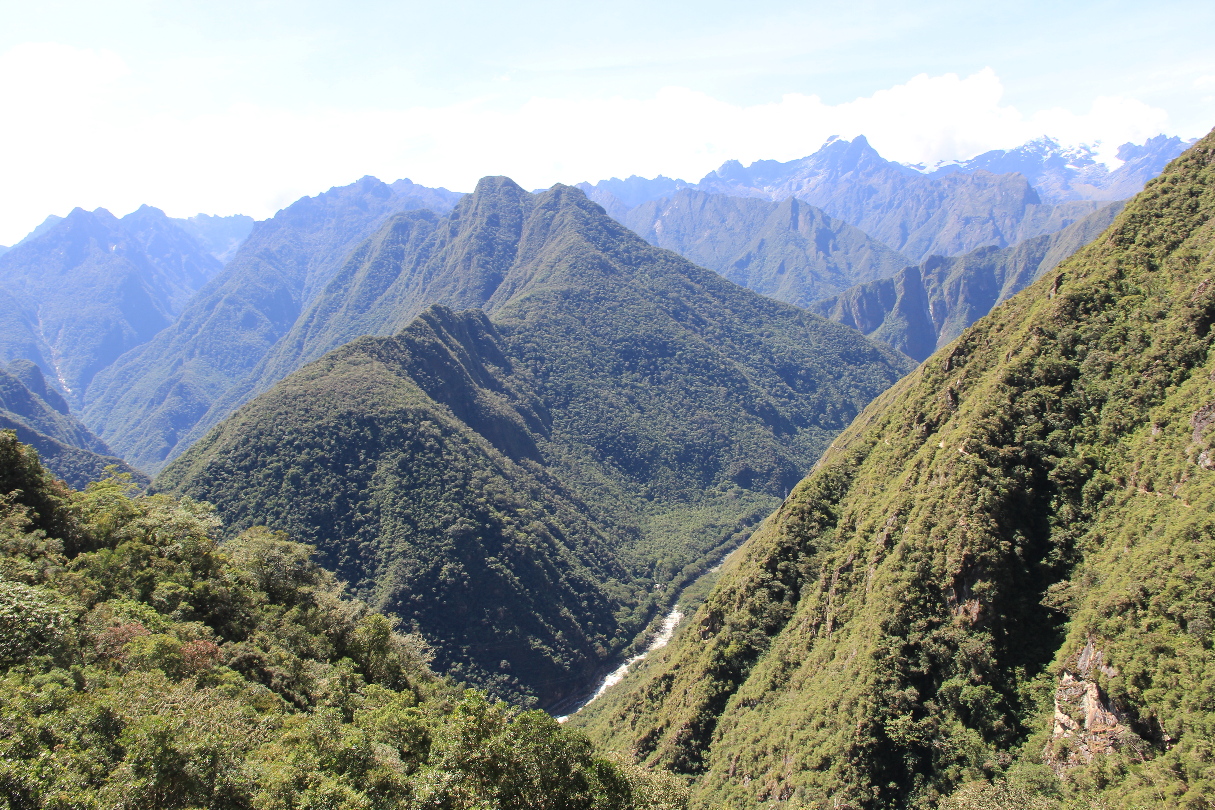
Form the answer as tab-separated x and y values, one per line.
528	489
146	402
143	664
40	417
995	589
923	308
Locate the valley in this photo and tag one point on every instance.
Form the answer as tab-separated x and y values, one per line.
832	480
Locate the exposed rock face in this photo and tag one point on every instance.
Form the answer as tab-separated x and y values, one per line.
1087	723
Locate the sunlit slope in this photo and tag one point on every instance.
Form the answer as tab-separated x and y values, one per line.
1002	571
641	413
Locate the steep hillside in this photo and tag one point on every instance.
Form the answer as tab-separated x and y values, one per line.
145	664
923	308
997	581
144	402
91	286
617	420
41	419
410	463
416	259
788	250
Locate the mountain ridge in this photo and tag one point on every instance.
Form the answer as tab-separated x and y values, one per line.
982	594
655	405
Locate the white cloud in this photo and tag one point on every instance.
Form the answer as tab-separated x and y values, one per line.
77	134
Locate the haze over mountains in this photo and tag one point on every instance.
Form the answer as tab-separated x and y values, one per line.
91	287
924	307
998	198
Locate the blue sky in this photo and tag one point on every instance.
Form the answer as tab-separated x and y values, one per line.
228	107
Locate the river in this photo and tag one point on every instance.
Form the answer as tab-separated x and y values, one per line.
614	677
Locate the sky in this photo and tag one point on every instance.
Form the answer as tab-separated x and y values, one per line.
226	107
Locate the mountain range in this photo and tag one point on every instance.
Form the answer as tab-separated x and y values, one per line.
922	308
92	286
150	398
998	198
521	427
1060	174
526	489
992	591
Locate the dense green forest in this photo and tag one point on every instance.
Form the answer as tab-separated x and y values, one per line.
995	589
146	664
528	488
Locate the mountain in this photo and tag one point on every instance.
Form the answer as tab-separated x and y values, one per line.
144	401
789	250
921	309
994	586
617	195
439	200
221	236
1060	174
143	663
41	419
999	198
42	228
92	286
526	488
910	212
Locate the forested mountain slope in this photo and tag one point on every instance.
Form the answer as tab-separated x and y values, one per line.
788	250
620	416
923	308
40	417
146	401
145	664
995	587
92	286
415	259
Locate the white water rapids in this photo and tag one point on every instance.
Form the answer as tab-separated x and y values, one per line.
614	677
